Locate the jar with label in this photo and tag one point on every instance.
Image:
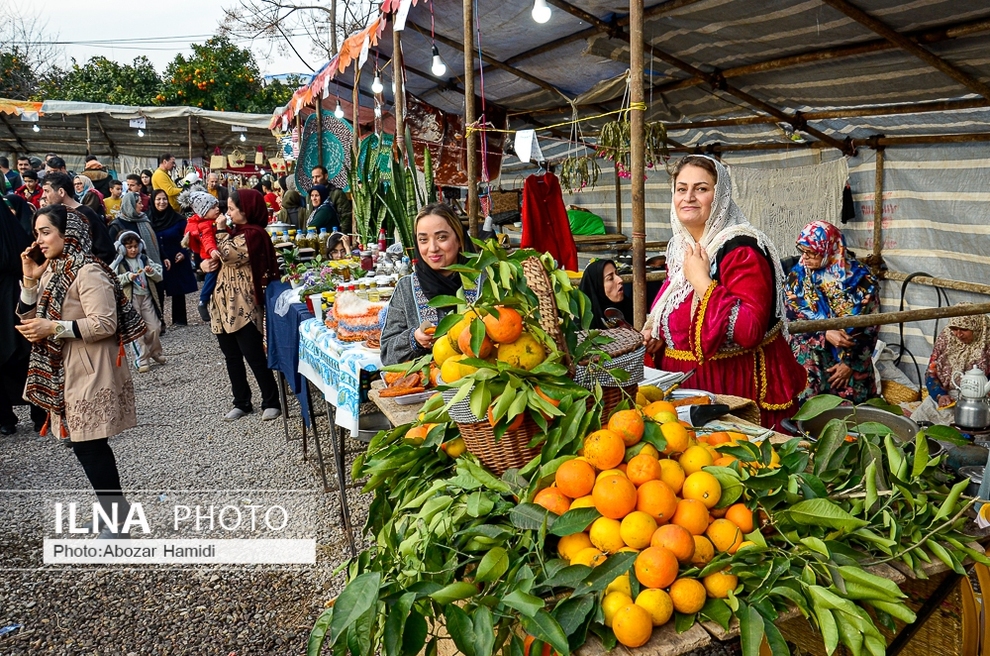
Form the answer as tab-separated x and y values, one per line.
373	294
366	262
362	290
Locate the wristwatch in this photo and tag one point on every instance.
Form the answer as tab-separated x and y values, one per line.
59	330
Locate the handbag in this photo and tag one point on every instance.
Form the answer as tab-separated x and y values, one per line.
236	159
259	156
217	160
278	165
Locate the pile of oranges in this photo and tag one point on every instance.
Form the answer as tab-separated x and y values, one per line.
659	505
505	340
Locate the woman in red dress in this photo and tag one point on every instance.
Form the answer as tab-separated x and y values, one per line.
721	309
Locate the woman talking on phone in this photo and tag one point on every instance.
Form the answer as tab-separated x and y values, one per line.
76	317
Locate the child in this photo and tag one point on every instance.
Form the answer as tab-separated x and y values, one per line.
113	202
201	238
137	275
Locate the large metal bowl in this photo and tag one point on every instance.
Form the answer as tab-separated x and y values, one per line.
904	428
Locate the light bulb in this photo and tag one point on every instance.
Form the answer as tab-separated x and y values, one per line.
393	87
541	12
378	111
140	132
243	138
376	86
338	111
36	128
438	68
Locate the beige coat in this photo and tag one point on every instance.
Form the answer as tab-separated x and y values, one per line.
99	395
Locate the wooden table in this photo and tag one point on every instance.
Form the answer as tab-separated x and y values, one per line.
395	413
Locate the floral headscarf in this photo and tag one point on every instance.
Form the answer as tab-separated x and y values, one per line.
950	355
840	287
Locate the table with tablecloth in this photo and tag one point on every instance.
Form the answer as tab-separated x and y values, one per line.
335	368
283	316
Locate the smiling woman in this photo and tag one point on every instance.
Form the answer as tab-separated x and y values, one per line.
440	240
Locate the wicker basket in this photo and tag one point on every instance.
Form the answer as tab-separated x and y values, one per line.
894	392
627	352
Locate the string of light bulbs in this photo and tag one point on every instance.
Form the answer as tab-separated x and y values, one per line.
541	11
438	67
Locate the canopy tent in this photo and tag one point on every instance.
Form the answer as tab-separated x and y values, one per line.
75	129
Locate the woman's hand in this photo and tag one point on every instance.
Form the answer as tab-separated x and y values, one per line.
179	257
697	268
29	267
423	338
838	338
840	375
35	330
168	265
221	222
652	345
209	265
944	400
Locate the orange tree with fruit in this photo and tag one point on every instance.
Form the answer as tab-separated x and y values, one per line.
627	522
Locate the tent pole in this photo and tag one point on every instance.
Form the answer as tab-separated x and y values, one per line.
400	95
469	118
618	201
319	128
637	161
942	283
188	136
88	151
877	258
356	113
887	318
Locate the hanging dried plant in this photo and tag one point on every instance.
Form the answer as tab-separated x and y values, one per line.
577	173
613	145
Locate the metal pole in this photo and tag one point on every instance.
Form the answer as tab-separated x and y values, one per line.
637	161
469	118
319	129
618	201
88	151
400	95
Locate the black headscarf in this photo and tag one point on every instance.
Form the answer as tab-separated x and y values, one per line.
163	220
15	236
436	283
593	285
322	191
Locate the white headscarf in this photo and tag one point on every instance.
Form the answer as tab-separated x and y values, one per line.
725	222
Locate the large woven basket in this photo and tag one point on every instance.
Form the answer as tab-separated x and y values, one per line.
894	392
627	353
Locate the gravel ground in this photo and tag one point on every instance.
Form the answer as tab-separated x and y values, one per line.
180	444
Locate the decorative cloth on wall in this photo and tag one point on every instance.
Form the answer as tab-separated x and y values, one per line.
337	137
544	220
781	201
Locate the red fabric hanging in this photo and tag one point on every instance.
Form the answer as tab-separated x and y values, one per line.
544	220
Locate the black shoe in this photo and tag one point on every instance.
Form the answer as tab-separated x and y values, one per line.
204	312
8	430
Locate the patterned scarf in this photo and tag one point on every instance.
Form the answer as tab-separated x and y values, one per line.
46	375
725	222
840	287
951	356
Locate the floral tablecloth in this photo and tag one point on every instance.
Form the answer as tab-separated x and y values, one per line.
335	368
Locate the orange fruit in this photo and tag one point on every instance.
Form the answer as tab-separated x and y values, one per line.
506	328
543	395
657	500
514	425
737	437
632	626
610	472
417	434
524	353
589	556
702	487
620	583
718	437
637	529
570	545
586	501
694	458
575	478
464	343
553	500
605	535
611	604
529	643
659	406
461	326
615	496
725	535
716	513
657	603
656	567
703	551
719	584
443	348
687	595
672	474
643	468
741	516
724	461
677	437
628	424
676	539
604	449
692	515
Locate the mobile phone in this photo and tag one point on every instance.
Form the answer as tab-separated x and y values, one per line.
36	255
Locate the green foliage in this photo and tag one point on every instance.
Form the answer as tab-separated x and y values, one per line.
17	78
105	81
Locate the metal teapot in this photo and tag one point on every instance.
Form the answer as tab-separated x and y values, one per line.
973	384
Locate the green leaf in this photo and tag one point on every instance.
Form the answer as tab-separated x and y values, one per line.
446	324
568	577
414	635
572	614
732	485
358	596
948	506
883	405
477	329
483	476
479	504
823	512
750	629
815	544
530	517
946	434
493	565
870	479
683	622
601	576
484	632
574	521
526	604
832	437
717	611
451	593
443	300
461	629
816	406
544	627
318	633
653	435
920	455
359	635
396	622
942	554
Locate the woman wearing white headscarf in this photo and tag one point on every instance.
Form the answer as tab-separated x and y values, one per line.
721	309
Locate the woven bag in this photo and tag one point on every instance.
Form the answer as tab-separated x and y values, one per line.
236	159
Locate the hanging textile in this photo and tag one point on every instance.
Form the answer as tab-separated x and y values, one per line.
545	227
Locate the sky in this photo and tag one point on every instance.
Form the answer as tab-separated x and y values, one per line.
157	31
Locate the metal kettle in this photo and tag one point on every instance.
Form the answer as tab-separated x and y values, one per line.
973	414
